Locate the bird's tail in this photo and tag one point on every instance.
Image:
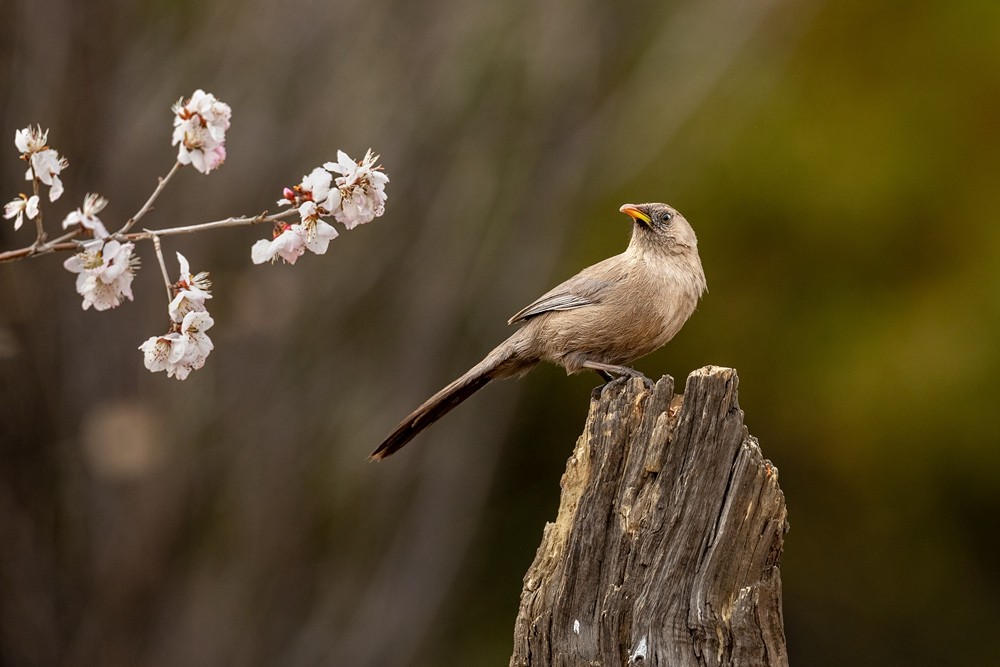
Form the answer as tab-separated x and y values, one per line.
506	360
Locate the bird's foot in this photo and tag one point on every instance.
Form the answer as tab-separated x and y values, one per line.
610	371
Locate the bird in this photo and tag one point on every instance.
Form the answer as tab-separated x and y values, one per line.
603	318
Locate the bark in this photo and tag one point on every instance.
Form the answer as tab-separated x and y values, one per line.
666	547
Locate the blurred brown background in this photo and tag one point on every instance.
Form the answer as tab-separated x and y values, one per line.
839	162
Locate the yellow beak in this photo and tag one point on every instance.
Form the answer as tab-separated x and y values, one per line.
633	212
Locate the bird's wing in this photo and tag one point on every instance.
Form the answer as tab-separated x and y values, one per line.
579	291
563	301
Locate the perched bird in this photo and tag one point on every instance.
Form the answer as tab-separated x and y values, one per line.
602	318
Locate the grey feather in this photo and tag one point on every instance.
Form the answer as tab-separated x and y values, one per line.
550	302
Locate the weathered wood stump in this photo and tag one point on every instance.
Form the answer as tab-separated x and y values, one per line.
667	543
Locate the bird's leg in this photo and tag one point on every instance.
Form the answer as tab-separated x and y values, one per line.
609	371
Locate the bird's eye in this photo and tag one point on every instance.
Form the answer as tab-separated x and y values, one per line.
667	216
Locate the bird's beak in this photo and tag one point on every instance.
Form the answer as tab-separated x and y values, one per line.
632	211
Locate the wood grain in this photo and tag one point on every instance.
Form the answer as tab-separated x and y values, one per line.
667	543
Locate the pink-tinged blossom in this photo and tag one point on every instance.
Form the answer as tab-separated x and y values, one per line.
314	197
182	350
104	273
86	216
200	125
291	241
20	207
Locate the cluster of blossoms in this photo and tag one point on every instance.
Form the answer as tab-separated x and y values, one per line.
185	347
104	273
105	268
200	125
44	166
354	197
44	163
351	192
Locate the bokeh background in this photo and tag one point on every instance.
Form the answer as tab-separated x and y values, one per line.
839	161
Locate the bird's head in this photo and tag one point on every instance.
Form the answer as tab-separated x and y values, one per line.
660	226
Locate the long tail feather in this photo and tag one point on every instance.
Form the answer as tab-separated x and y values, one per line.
433	408
508	359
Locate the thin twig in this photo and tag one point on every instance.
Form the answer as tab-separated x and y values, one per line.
67	236
217	224
149	202
163	265
40	237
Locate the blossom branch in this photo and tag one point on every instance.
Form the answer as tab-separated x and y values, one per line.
350	192
61	243
32	251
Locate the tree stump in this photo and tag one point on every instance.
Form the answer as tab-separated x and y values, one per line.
666	547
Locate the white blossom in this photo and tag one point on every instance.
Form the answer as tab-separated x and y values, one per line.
30	139
87	216
215	114
182	350
46	166
156	350
317	184
104	273
22	206
318	235
190	291
291	241
200	125
288	244
362	189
